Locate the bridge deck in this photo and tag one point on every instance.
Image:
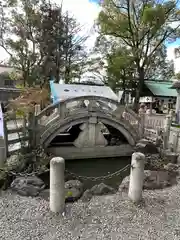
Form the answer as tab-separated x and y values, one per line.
72	153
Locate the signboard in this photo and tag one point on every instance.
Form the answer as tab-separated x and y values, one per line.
146	99
1	123
65	91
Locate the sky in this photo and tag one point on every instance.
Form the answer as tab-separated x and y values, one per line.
86	11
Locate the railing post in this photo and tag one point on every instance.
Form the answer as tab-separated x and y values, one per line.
37	109
136	176
62	110
142	124
125	114
175	141
167	128
57	188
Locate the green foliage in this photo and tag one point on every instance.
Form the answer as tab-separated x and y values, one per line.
175	125
19	113
142	27
177	76
120	69
44	43
160	68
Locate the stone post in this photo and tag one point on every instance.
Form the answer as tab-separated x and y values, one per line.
142	124
178	106
167	128
175	141
56	110
57	189
136	176
62	110
37	109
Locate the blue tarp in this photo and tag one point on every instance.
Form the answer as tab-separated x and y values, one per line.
65	91
53	92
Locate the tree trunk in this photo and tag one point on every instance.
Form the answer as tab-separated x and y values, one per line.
67	71
57	72
124	90
139	88
24	78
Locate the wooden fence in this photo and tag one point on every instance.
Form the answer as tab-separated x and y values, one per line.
16	134
154	121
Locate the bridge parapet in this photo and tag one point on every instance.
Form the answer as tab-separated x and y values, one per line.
71	106
65	108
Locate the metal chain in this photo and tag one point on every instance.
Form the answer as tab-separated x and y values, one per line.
23	174
100	178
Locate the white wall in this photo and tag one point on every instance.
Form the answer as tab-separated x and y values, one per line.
5	69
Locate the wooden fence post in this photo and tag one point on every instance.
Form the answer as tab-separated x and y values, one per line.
3	143
32	130
6	137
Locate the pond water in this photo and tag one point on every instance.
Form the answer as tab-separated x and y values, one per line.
96	168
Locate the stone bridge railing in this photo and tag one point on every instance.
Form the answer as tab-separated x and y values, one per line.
68	107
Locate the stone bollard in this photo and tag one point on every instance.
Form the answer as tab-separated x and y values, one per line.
167	128
175	141
57	189
136	176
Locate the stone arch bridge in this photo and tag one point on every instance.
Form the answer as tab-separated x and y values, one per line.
86	127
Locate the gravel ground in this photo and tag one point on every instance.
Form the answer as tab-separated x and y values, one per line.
103	218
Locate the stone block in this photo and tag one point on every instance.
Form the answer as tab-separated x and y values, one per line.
146	147
171	157
93	120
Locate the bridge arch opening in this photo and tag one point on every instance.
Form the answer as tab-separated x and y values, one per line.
113	136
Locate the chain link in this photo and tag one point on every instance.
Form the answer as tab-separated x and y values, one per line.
100	178
23	174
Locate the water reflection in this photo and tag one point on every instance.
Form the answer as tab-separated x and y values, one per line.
98	167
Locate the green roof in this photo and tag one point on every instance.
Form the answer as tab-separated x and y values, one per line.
161	88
